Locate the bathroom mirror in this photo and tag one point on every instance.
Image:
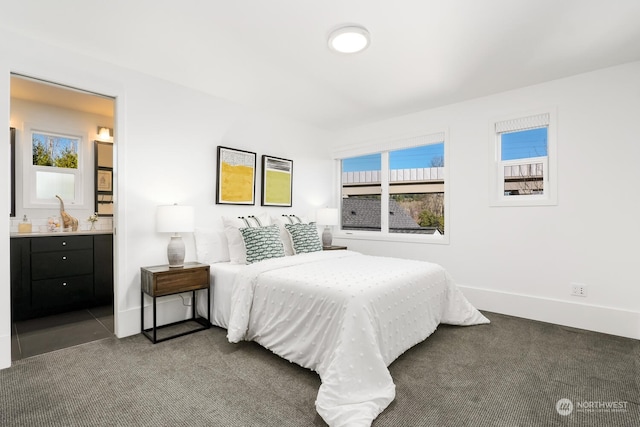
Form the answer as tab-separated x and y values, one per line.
12	142
104	178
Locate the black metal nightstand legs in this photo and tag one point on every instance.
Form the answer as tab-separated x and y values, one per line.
151	333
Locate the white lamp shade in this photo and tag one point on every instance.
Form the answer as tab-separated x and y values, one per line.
174	219
327	216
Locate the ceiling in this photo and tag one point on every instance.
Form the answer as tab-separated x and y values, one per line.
59	96
273	55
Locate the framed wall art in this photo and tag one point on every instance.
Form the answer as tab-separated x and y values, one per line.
105	180
277	181
236	177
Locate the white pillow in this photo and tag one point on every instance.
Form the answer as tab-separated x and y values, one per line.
284	234
211	246
232	226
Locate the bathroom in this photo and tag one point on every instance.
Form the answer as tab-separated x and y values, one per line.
61	220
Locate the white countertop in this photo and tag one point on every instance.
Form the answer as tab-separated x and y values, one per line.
60	233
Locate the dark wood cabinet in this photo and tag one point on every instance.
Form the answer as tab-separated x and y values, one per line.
103	268
54	274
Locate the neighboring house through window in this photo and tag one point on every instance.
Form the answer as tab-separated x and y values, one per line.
399	190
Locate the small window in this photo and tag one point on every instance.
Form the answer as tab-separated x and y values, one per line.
524	167
54	169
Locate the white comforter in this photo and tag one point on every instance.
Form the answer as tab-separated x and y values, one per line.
347	316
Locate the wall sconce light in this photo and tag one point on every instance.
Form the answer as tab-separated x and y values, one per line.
105	133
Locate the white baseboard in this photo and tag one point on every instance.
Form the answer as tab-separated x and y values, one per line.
5	351
608	320
168	310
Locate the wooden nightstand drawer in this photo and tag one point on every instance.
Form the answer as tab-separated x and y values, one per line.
162	280
183	281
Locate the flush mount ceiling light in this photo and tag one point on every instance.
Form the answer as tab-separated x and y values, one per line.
349	39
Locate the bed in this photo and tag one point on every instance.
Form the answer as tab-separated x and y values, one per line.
345	315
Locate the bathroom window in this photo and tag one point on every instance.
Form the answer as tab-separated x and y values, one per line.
54	167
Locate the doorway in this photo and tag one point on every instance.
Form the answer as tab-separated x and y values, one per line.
79	121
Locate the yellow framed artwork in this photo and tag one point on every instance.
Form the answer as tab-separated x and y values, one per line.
236	173
277	181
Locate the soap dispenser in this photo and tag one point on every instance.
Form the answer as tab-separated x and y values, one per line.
24	226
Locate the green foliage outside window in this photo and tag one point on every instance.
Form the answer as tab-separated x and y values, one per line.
429	219
56	151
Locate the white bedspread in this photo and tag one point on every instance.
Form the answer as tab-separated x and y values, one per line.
347	316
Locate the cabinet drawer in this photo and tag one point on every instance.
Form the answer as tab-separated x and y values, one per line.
47	265
175	281
62	243
64	291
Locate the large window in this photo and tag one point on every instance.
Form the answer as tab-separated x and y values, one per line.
523	172
396	191
53	168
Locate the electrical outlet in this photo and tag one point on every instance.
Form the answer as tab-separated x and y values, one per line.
578	289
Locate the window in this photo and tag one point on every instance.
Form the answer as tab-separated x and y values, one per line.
523	170
53	168
400	190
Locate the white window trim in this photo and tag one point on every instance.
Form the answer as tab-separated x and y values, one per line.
383	147
29	170
496	166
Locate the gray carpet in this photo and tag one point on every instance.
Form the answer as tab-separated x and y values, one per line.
509	373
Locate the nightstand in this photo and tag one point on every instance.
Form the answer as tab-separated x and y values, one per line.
334	248
161	280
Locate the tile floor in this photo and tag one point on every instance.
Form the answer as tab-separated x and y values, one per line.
45	334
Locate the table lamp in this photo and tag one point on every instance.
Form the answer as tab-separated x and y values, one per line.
327	217
175	219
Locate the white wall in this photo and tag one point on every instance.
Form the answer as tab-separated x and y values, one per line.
166	152
521	260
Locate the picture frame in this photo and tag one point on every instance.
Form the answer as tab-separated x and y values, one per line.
277	181
235	177
104	180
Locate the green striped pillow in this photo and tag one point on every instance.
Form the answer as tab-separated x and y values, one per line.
305	237
262	243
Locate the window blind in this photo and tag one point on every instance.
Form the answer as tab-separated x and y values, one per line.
523	123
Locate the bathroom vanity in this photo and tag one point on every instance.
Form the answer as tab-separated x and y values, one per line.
56	272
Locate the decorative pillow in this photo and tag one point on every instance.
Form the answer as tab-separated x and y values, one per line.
232	226
211	246
305	237
284	234
262	243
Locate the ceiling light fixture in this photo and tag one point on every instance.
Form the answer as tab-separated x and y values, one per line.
349	39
